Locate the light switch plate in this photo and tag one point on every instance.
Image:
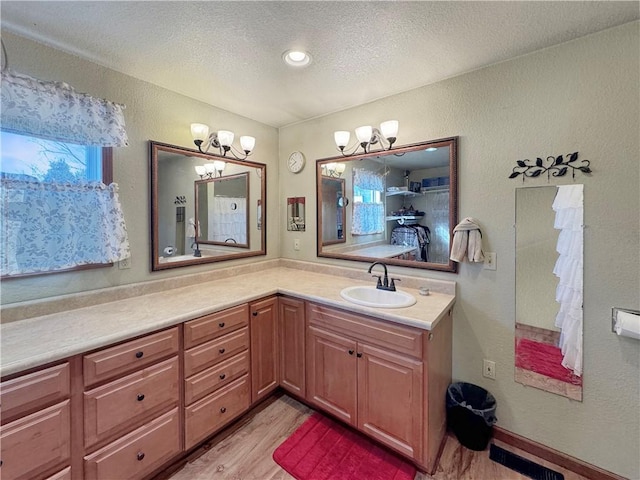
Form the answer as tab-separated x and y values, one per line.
490	259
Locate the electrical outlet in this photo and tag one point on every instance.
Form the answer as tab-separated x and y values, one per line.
489	369
124	264
296	244
490	259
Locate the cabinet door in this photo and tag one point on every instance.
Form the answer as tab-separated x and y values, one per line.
390	399
331	380
291	333
264	348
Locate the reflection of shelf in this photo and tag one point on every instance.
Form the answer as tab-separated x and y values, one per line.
391	218
406	193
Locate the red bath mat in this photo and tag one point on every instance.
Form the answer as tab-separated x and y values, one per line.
321	449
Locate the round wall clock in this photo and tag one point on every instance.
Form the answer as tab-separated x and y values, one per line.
296	161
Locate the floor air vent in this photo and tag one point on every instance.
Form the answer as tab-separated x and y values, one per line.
522	465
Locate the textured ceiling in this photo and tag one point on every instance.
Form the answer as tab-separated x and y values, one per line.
228	54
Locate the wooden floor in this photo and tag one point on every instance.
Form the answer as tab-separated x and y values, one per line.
243	452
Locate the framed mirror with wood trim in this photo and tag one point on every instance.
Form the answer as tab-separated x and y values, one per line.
398	206
201	207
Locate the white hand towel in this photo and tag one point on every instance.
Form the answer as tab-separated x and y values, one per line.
191	229
467	239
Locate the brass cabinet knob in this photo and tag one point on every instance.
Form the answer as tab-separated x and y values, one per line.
140	397
221	324
223	409
140	456
222	377
139	354
221	350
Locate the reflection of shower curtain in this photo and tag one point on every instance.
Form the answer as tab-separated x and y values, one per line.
568	206
227	222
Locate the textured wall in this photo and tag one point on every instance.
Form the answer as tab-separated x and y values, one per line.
584	96
152	113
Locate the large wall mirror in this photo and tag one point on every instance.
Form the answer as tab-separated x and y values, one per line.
205	208
549	259
397	206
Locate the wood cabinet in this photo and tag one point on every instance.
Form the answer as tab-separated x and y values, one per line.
35	436
291	332
131	421
217	387
264	348
376	376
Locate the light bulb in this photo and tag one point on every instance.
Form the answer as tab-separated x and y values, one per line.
199	131
219	165
247	143
210	167
200	170
225	137
342	138
389	129
364	134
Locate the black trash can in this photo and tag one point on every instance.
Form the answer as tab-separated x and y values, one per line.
471	414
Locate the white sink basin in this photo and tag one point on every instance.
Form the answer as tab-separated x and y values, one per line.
370	296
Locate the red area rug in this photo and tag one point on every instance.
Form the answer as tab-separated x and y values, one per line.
544	359
321	449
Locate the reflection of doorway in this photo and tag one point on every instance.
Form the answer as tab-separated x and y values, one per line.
180	231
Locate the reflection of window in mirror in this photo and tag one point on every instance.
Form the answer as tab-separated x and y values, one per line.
368	209
295	214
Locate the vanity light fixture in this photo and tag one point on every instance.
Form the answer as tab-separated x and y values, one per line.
430	149
367	136
334	169
208	170
222	140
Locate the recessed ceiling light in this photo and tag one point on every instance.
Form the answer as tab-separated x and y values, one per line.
296	58
431	149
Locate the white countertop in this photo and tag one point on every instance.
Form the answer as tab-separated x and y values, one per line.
36	341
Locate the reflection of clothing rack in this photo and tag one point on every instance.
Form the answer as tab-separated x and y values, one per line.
413	235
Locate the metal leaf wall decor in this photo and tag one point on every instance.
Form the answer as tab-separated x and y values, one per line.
552	166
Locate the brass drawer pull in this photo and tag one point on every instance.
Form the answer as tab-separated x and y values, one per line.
223	410
221	324
222	377
140	456
350	352
221	350
255	314
359	355
139	354
140	397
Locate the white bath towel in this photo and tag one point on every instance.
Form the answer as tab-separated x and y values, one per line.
191	229
467	240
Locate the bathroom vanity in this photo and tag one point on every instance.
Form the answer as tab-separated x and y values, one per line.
99	396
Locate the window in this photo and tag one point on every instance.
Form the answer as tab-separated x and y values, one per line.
48	189
27	157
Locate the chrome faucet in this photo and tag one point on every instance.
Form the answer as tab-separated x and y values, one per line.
196	251
383	283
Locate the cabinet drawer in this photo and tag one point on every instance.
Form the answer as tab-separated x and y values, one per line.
215	351
138	453
211	413
389	335
34	391
212	326
36	443
205	382
62	475
129	356
129	401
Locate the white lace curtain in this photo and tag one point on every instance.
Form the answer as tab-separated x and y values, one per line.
55	111
368	215
48	227
568	206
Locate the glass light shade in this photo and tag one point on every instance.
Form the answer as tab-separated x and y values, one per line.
210	167
200	170
247	143
364	133
225	137
342	138
340	167
389	129
331	167
199	131
219	165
